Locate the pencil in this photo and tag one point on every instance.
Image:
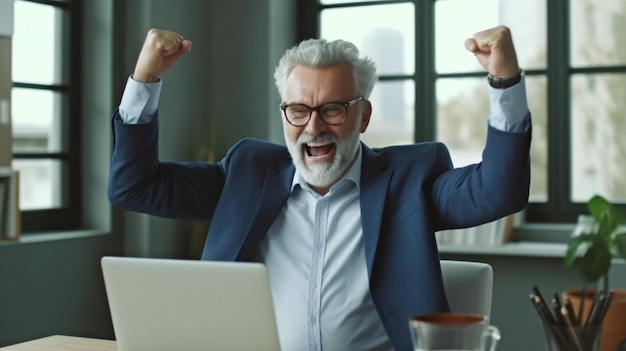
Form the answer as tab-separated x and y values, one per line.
548	322
605	308
570	310
544	310
557	309
596	305
538	294
569	320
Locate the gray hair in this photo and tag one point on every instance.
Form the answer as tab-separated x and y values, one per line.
317	53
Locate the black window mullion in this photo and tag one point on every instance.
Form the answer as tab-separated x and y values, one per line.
424	75
558	124
73	124
308	19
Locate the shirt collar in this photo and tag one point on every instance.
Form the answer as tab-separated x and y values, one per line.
353	174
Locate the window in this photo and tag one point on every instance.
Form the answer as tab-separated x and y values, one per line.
45	112
431	88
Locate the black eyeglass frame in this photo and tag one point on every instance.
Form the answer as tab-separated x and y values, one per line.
317	108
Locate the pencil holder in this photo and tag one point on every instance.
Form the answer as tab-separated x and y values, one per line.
572	338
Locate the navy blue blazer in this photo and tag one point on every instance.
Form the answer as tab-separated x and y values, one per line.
407	194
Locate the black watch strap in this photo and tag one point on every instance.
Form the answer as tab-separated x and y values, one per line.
500	83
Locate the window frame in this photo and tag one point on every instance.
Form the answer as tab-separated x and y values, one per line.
559	208
68	216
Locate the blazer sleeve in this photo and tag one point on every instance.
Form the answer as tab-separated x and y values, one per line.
140	182
496	187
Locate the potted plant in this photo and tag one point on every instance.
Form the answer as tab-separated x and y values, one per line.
597	239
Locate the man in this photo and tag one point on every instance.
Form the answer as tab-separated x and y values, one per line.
346	232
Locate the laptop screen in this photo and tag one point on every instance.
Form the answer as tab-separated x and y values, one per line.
170	304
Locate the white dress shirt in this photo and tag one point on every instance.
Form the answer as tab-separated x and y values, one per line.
316	263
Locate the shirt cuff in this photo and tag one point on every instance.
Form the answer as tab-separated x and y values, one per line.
509	108
139	101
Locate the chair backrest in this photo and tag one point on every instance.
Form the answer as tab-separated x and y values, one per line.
468	286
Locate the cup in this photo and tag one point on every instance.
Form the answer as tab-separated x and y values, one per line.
453	332
572	338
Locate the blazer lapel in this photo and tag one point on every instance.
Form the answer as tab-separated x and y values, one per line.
276	190
374	184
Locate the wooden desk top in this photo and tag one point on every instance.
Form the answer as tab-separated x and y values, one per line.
63	343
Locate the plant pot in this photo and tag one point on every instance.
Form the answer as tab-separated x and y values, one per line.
614	324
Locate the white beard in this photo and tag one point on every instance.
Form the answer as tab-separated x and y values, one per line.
323	175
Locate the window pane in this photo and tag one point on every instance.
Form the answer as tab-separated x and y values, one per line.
36	120
37	44
457	20
462	114
393	114
536	90
386	33
598	147
462	111
40	183
598	32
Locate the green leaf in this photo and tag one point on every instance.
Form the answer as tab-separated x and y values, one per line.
596	261
604	214
578	247
597	205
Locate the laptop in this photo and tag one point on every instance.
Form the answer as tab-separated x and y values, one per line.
169	304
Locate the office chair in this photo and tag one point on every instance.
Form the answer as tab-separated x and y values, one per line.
468	286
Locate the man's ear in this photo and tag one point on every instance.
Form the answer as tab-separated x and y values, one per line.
365	115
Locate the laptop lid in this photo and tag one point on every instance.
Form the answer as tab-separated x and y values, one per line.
169	304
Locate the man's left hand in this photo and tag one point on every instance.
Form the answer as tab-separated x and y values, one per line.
495	51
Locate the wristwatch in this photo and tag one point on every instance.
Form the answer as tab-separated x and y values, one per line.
500	83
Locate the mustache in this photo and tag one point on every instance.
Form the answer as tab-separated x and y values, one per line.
324	137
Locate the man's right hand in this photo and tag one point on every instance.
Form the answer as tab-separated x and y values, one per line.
159	53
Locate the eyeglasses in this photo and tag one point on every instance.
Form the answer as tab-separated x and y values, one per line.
332	113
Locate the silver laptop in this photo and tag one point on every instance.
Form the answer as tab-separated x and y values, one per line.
168	304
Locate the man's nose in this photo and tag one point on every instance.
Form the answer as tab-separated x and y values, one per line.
315	125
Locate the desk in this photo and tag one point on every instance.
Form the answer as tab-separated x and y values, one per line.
63	343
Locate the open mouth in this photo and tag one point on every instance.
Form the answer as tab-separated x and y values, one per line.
319	150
